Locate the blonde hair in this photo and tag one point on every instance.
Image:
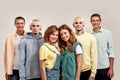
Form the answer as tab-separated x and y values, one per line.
83	21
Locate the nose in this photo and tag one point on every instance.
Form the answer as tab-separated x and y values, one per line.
63	36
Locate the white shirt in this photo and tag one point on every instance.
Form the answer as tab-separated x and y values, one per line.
17	51
78	49
104	47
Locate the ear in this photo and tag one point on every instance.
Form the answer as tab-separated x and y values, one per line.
83	25
30	27
73	24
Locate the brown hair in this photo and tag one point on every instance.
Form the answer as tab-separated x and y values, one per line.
49	31
62	44
95	15
19	17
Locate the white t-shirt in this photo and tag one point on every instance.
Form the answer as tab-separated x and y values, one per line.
17	51
78	49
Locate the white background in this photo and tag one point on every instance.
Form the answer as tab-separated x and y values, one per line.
59	12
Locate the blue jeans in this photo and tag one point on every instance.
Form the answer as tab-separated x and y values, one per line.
53	75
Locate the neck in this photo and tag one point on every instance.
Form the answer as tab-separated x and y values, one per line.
50	43
35	34
20	32
79	32
96	29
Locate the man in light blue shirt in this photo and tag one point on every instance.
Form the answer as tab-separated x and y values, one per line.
105	49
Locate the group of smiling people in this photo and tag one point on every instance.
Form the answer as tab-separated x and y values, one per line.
60	54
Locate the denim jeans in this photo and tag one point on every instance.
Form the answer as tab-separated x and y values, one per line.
54	73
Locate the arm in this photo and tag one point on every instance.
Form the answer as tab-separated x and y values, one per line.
5	61
22	60
7	49
93	56
42	69
78	51
79	65
42	57
111	55
111	71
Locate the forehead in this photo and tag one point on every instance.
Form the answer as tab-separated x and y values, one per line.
78	20
36	22
63	30
56	32
95	18
19	20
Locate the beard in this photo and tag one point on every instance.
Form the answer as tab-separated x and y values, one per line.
35	33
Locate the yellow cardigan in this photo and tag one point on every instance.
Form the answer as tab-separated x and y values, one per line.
89	47
9	52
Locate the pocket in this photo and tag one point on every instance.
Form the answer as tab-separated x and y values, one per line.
53	76
71	71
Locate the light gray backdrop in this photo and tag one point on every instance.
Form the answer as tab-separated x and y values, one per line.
59	12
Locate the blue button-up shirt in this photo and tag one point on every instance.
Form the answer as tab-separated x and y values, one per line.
104	46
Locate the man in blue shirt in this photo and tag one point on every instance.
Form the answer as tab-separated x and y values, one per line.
105	49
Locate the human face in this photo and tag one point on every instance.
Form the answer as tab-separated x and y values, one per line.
95	21
53	37
65	35
35	27
78	24
20	24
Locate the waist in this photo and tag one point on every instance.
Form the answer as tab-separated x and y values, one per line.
86	68
52	70
104	68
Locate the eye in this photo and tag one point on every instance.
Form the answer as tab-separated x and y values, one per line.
22	23
97	20
37	25
65	32
17	23
78	22
33	25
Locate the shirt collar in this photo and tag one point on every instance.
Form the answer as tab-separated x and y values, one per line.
17	34
101	29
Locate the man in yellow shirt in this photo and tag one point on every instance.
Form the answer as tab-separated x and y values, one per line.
88	42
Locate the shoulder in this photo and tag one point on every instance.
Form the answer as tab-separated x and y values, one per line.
43	46
89	35
11	35
76	44
107	32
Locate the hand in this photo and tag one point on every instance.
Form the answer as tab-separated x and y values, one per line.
7	77
110	73
91	78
